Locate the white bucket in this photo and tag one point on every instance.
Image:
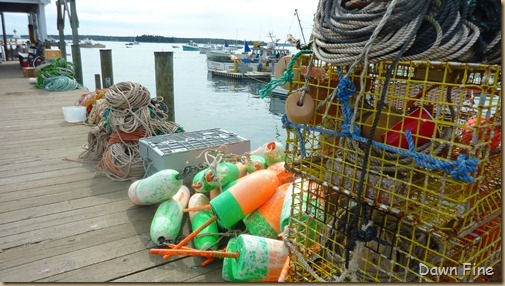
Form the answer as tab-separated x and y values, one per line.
74	114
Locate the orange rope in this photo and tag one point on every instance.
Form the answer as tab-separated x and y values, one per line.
122	136
191	235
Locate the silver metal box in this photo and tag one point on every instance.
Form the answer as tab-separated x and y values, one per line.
178	150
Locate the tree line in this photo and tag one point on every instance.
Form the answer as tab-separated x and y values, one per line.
150	39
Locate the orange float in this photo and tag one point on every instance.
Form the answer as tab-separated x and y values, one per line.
249	193
265	221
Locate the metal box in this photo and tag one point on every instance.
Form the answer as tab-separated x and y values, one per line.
178	150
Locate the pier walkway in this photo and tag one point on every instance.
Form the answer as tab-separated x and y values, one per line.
59	220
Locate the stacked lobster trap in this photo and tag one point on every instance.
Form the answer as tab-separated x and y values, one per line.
431	196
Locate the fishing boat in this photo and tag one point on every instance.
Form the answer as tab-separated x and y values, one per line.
132	43
209	47
88	43
257	61
191	46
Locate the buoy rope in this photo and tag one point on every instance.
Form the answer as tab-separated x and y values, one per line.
287	76
306	84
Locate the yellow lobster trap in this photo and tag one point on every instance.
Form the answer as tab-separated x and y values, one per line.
398	251
436	145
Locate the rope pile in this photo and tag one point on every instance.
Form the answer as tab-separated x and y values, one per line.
450	30
57	75
130	114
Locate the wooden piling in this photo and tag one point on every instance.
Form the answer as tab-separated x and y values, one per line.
106	66
98	84
60	19
76	49
164	75
4	36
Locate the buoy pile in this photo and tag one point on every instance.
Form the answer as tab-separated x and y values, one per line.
245	201
126	114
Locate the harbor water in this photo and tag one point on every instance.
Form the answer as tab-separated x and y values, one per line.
202	101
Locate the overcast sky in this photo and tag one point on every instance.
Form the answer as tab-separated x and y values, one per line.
230	19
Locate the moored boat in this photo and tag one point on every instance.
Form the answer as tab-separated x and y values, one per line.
191	46
88	43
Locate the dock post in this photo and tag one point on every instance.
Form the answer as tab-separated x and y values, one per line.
4	36
76	58
106	65
98	84
60	19
76	49
164	75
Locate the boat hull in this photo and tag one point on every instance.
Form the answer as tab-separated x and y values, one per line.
99	46
190	48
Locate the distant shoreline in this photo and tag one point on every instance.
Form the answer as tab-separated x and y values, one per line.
152	39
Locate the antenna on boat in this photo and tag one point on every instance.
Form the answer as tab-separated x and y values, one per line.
299	23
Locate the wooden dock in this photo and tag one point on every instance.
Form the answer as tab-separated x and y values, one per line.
242	75
59	220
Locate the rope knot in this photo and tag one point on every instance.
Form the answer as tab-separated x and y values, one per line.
285	121
346	89
464	167
288	76
367	234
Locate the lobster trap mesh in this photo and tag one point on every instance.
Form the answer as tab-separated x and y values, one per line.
400	251
436	144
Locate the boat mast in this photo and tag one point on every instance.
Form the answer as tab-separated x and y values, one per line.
301	29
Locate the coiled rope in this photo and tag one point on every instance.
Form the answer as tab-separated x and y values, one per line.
60	83
58	75
340	34
129	116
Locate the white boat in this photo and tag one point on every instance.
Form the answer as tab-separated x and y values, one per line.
88	43
209	47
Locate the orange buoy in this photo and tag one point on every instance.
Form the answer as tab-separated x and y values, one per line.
244	197
283	175
265	221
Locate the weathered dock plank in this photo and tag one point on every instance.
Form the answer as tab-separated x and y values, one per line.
61	220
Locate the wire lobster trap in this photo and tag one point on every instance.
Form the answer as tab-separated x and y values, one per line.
436	143
399	251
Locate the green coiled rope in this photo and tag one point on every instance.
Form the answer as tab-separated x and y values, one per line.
287	76
60	83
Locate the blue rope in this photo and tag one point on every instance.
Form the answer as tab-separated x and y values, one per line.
60	83
459	169
286	78
345	90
